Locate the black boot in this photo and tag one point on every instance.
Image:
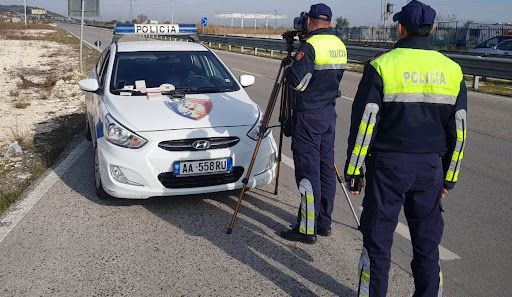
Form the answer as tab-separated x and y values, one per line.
324	232
294	235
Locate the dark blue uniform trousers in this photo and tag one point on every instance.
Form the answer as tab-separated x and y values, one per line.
313	134
416	182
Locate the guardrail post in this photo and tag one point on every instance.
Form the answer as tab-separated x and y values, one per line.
272	53
209	44
255	51
219	45
476	80
242	49
229	47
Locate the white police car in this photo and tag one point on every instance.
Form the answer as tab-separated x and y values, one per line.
168	118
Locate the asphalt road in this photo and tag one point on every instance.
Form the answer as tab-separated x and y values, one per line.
72	243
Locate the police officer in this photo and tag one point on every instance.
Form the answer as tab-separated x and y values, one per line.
315	76
409	110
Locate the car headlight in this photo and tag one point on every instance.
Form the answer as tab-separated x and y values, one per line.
121	136
255	130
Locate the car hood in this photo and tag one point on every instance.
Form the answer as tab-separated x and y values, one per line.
140	114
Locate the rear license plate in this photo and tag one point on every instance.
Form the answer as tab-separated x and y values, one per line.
203	167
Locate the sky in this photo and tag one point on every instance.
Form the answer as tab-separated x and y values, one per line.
358	12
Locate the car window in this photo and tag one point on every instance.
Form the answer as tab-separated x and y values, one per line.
488	43
104	69
101	60
196	71
505	46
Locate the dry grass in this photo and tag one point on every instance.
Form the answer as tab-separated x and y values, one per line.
14	93
21	26
49	81
22	137
21	104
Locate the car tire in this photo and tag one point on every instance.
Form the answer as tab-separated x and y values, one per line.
88	134
100	192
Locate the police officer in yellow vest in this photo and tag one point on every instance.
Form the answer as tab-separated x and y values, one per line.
315	76
409	127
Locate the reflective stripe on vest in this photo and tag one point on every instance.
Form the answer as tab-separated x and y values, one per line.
415	75
330	52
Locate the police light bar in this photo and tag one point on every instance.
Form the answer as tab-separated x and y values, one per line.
155	29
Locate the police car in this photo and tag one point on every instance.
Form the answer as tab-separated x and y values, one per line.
168	118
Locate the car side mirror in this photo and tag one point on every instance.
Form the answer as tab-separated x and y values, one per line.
89	85
247	80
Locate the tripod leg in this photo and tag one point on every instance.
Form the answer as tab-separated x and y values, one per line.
264	126
340	180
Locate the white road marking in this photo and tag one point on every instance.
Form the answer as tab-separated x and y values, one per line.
288	161
347	98
18	211
401	229
255	74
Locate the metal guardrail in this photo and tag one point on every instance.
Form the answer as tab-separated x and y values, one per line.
470	63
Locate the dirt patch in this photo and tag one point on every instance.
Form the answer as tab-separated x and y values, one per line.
42	106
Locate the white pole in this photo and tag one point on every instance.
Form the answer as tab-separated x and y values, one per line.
25	3
82	36
385	14
172	19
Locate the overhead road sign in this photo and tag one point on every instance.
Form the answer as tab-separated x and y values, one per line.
92	8
155	29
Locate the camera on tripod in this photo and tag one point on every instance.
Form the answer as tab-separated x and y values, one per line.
301	23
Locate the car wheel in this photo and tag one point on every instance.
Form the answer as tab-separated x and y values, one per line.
97	177
88	134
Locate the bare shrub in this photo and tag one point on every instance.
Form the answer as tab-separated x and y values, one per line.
49	81
21	104
14	93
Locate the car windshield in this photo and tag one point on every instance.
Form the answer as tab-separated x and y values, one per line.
196	72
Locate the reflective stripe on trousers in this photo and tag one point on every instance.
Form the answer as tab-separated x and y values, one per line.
364	274
307	208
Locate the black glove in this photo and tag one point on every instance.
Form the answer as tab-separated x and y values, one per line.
286	61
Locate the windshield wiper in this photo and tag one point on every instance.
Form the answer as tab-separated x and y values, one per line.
133	92
209	90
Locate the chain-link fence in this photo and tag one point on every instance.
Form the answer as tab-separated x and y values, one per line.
441	37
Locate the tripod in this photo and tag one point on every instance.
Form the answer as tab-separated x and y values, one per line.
284	115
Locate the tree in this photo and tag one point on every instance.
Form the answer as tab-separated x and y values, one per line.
142	18
467	23
342	22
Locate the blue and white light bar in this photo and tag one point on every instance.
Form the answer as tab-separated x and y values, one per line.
155	29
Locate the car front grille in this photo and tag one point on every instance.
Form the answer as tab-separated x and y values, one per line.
170	181
186	144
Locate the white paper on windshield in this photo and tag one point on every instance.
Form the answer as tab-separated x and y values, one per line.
140	84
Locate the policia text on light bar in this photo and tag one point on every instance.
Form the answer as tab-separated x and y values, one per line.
155	29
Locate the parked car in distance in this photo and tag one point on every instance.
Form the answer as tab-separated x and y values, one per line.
499	45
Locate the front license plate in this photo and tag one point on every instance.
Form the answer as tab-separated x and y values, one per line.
203	167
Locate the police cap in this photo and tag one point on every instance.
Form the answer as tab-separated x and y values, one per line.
319	11
416	17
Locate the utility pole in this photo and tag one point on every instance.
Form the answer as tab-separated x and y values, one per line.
131	11
82	35
25	3
172	15
385	12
